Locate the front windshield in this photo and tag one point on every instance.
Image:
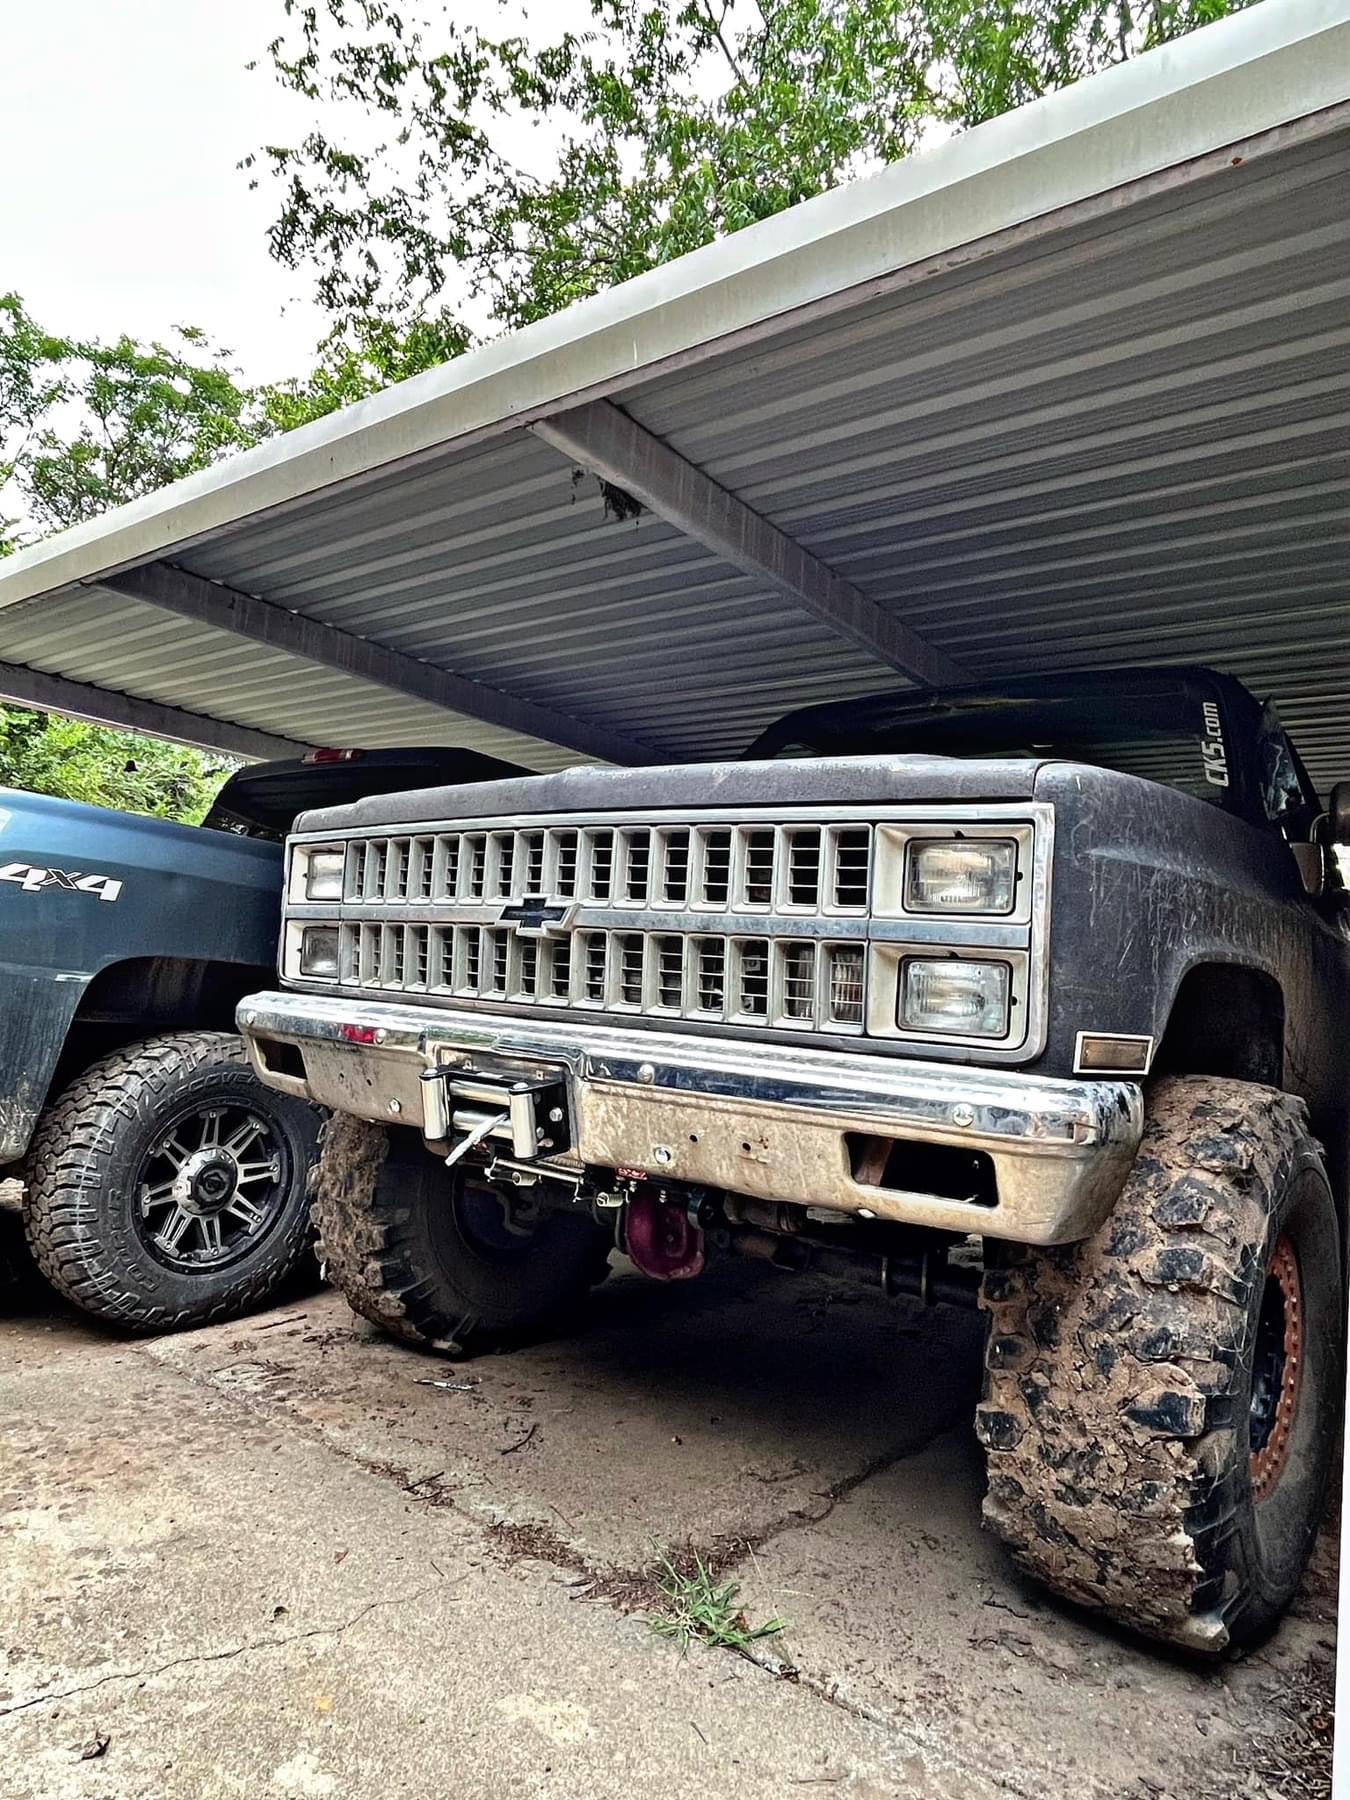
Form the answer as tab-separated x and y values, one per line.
1171	733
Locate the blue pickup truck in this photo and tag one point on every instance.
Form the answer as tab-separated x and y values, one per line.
162	1184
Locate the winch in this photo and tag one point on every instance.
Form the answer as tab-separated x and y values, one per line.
465	1106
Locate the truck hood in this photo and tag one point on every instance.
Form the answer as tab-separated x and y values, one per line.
841	781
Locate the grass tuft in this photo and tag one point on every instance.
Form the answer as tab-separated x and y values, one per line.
703	1609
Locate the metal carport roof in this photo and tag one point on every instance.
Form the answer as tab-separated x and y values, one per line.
1072	388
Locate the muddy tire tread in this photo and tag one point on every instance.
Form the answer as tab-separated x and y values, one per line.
357	1239
369	1247
1107	1412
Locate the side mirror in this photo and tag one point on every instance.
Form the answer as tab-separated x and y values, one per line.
1338	814
1312	868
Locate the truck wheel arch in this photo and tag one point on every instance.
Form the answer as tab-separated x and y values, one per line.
169	990
1227	1020
138	996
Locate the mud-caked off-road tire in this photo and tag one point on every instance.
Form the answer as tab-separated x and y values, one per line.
411	1246
1134	1467
100	1146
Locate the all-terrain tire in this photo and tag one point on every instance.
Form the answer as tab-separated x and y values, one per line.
1119	1417
82	1209
395	1240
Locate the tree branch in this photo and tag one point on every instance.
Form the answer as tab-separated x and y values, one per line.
715	25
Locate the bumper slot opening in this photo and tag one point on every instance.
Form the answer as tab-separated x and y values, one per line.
906	1165
281	1058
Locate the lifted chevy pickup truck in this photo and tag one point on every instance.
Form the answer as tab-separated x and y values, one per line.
163	1185
1039	990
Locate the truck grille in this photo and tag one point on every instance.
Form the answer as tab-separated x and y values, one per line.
803	983
797	920
803	870
654	926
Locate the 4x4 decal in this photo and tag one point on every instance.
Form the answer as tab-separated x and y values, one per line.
33	880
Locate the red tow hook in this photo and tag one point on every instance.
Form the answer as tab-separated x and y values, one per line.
661	1239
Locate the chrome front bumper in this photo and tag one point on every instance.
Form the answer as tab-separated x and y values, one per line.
760	1119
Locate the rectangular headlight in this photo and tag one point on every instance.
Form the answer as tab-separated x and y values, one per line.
963	998
323	874
961	875
319	952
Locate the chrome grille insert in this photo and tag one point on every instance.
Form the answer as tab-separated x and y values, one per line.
852	866
563	848
525	985
474	875
714	867
803	868
799	983
532	844
845	966
673	866
757	870
710	982
670	973
750	990
785	871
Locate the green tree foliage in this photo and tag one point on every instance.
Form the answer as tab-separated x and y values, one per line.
47	754
371	354
105	423
661	124
84	426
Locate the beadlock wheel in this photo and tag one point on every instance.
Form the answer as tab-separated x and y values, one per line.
1276	1367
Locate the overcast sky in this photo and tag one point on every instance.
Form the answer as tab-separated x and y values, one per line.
121	208
121	204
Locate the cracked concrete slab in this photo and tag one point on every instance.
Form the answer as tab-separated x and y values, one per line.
696	1411
900	1604
239	1612
273	1560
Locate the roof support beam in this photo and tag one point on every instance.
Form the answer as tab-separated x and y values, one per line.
210	603
609	444
54	693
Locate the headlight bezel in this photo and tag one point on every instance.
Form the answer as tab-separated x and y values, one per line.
885	993
334	857
333	965
895	844
995	970
992	849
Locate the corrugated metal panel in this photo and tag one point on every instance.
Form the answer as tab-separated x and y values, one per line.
1054	396
131	648
1135	446
507	565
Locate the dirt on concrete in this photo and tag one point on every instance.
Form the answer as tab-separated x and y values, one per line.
288	1557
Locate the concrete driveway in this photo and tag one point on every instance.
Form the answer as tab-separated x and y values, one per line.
288	1558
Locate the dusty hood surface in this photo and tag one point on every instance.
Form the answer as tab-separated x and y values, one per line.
841	781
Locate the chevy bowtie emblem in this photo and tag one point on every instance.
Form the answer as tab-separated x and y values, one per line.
538	918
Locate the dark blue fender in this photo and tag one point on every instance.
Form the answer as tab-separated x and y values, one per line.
81	889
